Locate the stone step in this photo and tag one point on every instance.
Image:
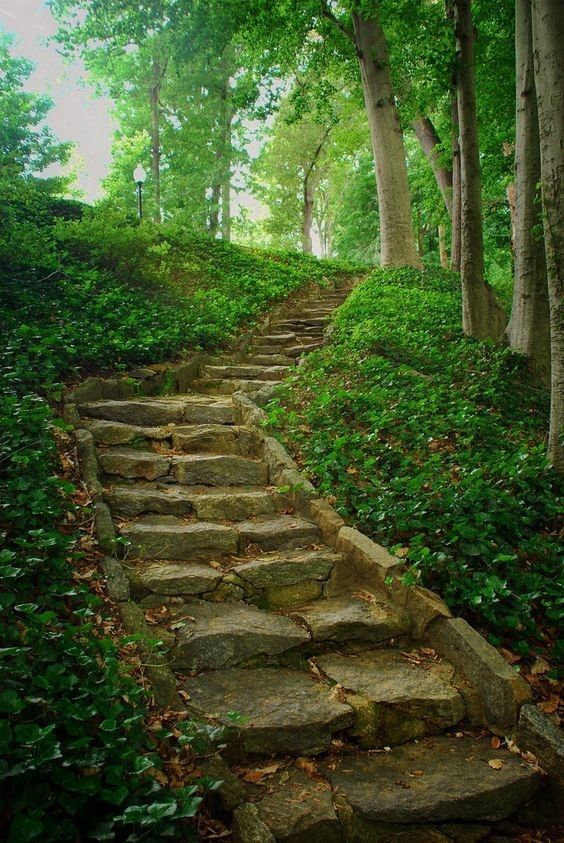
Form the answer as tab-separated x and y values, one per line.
443	780
117	433
264	373
172	579
214	636
298	350
155	412
303	322
284	711
353	617
215	438
284	531
222	504
198	541
278	339
188	469
229	386
395	698
274	359
285	580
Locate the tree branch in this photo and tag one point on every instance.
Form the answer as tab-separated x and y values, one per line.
327	13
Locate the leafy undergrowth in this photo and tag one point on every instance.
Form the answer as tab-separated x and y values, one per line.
433	444
81	755
102	293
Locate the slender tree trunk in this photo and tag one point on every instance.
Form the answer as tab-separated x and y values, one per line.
481	314
456	218
213	222
443	255
528	331
511	195
430	144
397	238
307	220
156	82
548	59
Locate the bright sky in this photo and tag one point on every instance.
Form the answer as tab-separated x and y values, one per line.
77	114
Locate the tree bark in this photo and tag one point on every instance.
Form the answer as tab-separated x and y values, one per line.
213	221
548	61
528	331
154	94
396	226
307	220
430	143
481	314
442	247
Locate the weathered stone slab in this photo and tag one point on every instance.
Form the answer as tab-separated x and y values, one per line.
228	386
271	360
536	733
152	412
206	438
502	690
327	519
450	781
350	617
248	827
196	541
219	635
278	339
129	462
235	504
284	531
137	499
117	433
218	470
247	372
297	809
275	570
202	410
283	711
371	563
173	579
401	700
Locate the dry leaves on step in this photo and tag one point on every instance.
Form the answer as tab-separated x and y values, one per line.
367	596
540	666
495	763
256	775
338	693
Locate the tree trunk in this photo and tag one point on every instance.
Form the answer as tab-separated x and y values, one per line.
528	331
157	77
481	314
548	37
455	240
307	220
396	227
213	222
430	144
442	247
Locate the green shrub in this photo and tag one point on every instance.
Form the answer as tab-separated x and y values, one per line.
433	442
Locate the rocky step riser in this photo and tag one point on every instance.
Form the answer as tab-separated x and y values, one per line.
131	502
245	372
302	324
191	470
212	438
159	412
204	541
228	387
271	360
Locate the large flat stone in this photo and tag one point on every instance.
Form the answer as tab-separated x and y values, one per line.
201	410
218	470
450	781
285	531
395	700
274	570
129	462
538	734
348	617
173	579
196	541
235	504
282	711
137	499
219	635
152	412
227	386
247	372
297	809
117	433
206	438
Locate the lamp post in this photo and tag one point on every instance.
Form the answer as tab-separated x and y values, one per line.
139	176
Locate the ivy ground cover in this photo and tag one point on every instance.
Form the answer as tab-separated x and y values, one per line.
432	443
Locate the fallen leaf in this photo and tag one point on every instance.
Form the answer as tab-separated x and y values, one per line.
495	742
495	763
540	666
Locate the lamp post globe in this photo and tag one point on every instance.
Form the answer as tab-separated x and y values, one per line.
139	176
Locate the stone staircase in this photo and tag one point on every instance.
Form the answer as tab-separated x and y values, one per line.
363	730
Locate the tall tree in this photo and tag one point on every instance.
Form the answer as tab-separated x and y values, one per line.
529	328
482	316
548	58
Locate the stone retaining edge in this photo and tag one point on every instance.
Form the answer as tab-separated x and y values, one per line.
502	691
